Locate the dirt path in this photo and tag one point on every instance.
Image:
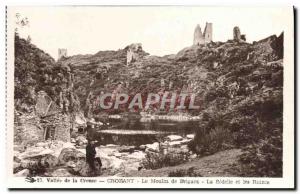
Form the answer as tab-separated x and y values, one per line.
215	165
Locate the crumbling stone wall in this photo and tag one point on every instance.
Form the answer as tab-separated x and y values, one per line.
62	125
27	129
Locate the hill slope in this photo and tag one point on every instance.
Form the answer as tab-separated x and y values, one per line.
239	87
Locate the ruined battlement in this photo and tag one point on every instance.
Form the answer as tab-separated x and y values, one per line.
237	36
62	53
205	37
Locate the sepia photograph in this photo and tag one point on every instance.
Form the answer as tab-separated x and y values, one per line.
150	97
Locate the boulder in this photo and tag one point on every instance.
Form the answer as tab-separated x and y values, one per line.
49	161
174	138
139	155
40	162
193	156
22	173
111	145
42	144
31	152
190	136
17	166
19	148
142	147
46	152
29	164
81	140
83	169
73	140
61	172
16	159
179	143
152	147
126	149
117	154
70	154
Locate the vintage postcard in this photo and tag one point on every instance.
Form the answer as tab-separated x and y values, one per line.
149	97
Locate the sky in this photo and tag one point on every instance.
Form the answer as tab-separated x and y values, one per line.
161	30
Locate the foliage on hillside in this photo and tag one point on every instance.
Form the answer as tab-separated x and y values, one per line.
239	87
37	71
245	100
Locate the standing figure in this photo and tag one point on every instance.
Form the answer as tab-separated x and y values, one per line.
91	156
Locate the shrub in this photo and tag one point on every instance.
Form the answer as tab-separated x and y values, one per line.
159	160
206	143
190	172
263	159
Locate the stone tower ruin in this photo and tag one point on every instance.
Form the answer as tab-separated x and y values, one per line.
62	53
198	36
133	52
237	36
208	33
205	37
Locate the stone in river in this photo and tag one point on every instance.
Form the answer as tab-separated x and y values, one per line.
42	144
190	136
153	147
178	143
126	149
142	147
61	172
73	140
118	155
174	138
80	140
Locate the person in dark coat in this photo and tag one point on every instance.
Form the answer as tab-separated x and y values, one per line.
90	130
90	155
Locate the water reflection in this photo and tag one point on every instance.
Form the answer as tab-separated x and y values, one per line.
136	131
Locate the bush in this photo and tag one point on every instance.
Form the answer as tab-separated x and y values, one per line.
159	160
206	143
263	159
185	173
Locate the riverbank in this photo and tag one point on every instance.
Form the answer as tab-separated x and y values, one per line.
56	158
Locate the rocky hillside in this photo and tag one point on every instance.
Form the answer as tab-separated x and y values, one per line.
197	68
45	104
238	85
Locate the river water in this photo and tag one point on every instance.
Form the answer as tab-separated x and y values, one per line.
137	131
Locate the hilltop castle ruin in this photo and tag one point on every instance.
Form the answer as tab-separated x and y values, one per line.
62	53
237	36
205	37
